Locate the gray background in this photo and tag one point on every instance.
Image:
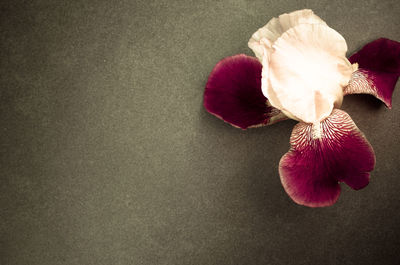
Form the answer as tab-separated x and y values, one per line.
108	157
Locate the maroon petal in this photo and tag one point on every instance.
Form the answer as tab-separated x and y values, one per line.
233	93
379	69
322	156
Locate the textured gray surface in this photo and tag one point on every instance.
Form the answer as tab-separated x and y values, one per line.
108	157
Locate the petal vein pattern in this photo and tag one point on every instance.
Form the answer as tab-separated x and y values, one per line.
362	82
379	69
316	162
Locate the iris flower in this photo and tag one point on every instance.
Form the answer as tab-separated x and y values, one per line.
301	72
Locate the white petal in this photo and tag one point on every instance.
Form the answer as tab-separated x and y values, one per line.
307	72
277	26
305	16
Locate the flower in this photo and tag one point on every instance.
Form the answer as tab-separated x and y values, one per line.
301	72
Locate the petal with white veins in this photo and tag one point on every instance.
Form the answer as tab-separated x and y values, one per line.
379	69
321	156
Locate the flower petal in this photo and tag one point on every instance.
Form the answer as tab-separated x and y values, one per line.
277	26
307	72
321	155
379	69
233	93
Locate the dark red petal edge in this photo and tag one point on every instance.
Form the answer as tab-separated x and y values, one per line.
321	157
379	69
233	93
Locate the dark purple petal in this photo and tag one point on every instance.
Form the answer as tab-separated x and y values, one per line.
322	156
233	93
379	69
381	55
